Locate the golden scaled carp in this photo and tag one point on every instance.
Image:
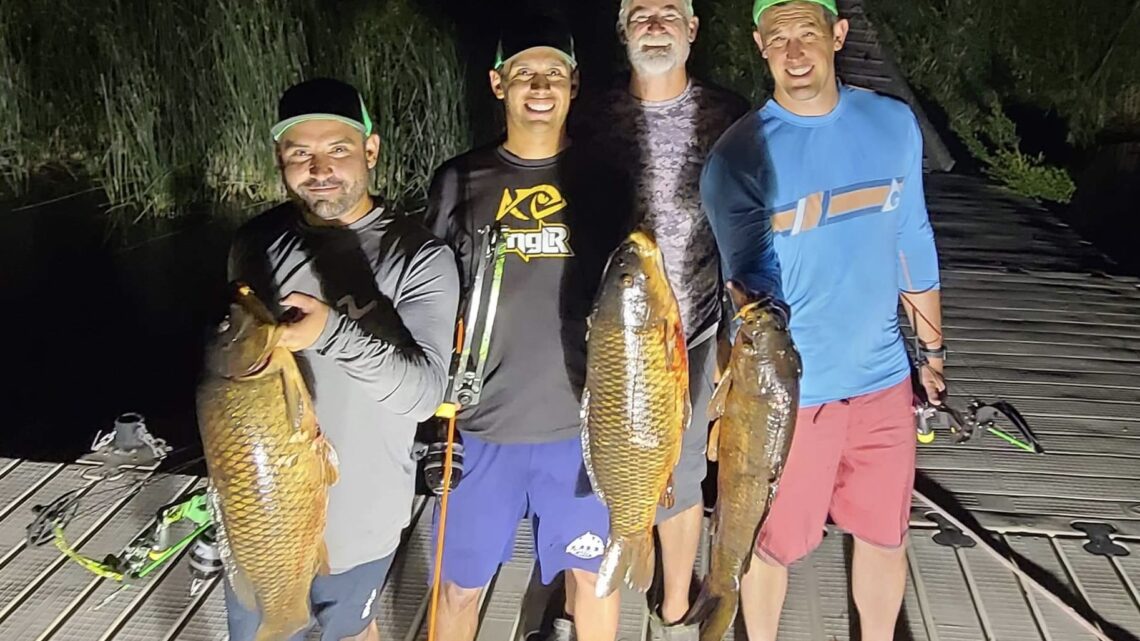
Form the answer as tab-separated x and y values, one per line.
756	403
269	468
635	405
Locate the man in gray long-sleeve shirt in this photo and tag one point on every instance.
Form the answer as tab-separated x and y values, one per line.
377	296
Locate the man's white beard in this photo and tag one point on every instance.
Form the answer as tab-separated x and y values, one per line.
658	62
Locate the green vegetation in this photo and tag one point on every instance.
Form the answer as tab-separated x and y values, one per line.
984	62
165	104
725	52
172	106
13	167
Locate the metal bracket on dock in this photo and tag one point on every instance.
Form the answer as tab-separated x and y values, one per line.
1100	543
949	534
128	446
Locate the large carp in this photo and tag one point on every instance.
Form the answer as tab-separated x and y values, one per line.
756	403
635	405
269	468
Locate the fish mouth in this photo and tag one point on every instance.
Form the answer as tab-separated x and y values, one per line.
258	366
642	239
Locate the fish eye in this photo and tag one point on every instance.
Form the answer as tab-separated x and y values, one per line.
627	280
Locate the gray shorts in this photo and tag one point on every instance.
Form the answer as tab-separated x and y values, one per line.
693	466
343	604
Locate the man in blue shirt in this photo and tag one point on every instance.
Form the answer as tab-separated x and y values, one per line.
816	202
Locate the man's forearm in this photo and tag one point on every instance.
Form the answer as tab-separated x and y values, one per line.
407	370
924	311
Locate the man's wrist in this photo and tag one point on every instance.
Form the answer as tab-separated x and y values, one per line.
927	353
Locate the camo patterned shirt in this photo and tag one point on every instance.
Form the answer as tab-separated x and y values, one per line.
664	145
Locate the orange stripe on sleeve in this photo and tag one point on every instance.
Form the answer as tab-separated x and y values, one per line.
858	200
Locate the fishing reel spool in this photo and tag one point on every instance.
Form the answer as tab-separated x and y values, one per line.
204	560
433	456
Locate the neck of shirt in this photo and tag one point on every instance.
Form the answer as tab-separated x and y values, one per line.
777	110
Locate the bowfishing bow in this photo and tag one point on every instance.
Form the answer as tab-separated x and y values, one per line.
979	416
129	449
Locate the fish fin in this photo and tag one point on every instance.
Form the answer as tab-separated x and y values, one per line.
294	620
712	612
294	399
323	559
719	398
628	560
676	348
716	407
587	459
677	353
713	451
230	568
329	460
667	497
242	587
686	408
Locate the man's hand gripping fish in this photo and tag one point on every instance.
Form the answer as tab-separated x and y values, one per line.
269	468
755	405
635	405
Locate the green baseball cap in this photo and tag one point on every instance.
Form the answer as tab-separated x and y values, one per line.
761	6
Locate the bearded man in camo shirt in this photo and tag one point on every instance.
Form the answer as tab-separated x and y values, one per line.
660	124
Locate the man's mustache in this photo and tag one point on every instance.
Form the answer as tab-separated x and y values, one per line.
655	41
321	184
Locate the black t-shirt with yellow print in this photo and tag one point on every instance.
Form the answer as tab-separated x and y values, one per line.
563	217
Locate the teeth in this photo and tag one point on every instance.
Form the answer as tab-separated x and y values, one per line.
799	71
540	106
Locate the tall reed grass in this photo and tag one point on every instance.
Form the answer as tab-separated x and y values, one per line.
13	165
256	50
167	104
406	68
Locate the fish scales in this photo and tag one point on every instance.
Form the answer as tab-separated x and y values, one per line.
635	405
631	422
756	404
269	470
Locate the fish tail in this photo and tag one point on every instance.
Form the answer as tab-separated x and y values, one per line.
285	624
628	559
712	611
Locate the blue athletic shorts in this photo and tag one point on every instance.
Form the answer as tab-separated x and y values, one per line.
502	485
343	604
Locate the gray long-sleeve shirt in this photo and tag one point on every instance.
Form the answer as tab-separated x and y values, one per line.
381	364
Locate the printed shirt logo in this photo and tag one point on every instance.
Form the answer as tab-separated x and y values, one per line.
368	605
587	546
533	204
844	203
354	311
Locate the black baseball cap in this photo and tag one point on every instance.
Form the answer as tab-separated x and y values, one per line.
535	30
321	99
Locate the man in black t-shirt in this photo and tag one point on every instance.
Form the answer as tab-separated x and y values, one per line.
563	213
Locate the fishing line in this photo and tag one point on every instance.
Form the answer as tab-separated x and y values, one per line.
136	488
1012	566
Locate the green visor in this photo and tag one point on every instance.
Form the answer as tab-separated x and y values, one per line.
763	5
281	127
322	99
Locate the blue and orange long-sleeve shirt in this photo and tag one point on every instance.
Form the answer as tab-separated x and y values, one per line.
828	215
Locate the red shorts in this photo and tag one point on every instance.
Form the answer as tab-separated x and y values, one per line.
853	459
